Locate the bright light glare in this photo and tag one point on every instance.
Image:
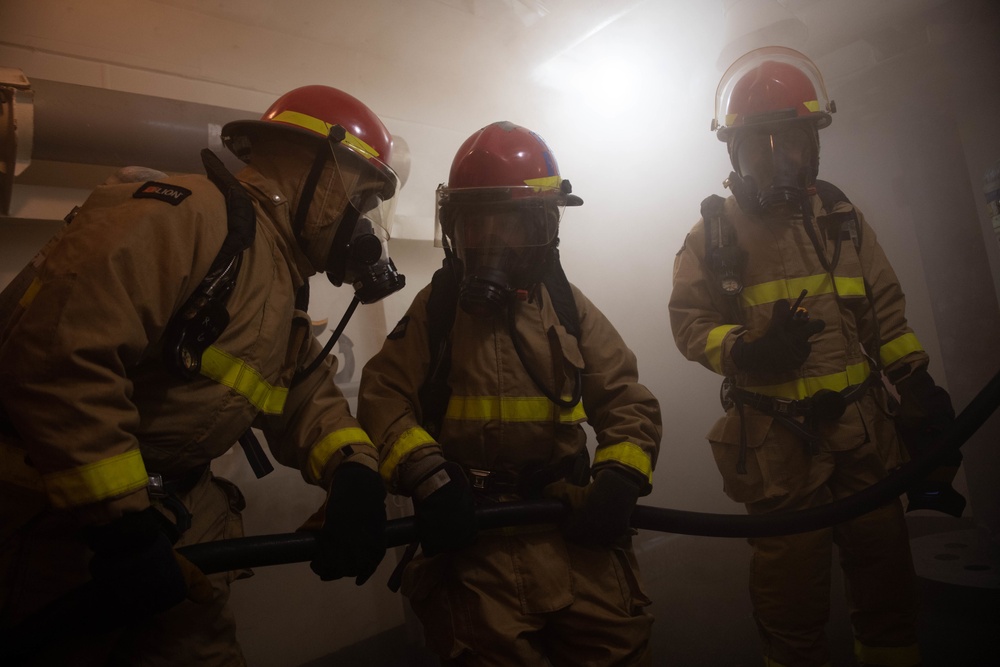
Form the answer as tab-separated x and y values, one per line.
608	86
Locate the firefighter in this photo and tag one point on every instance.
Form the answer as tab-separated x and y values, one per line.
783	289
479	396
166	319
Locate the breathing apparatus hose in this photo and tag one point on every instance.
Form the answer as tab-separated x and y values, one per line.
63	615
267	550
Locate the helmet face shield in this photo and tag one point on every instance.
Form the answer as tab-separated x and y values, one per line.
770	85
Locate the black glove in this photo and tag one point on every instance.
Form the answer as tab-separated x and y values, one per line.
352	540
445	510
925	415
134	563
783	347
925	411
599	512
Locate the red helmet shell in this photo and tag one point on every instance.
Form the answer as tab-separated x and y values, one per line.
505	155
312	111
771	85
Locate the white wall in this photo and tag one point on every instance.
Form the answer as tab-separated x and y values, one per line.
627	113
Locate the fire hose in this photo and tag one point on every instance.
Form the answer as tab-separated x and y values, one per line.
266	550
281	549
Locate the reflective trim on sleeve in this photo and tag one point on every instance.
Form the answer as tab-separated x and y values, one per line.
890	656
511	409
30	293
410	440
713	347
757	295
897	348
226	369
331	444
805	387
114	476
629	454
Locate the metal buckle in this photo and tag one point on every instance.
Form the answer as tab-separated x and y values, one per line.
783	406
479	478
156	488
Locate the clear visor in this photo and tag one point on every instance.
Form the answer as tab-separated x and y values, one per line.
763	154
366	184
485	218
754	59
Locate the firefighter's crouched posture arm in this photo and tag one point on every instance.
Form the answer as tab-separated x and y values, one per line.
479	395
165	321
783	289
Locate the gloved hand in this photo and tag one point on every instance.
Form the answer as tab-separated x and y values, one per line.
135	565
352	540
925	415
925	410
599	512
445	509
784	346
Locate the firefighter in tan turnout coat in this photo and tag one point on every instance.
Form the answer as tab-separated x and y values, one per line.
783	289
136	356
526	360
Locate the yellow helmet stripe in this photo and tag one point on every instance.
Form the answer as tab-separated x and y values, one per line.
322	127
545	182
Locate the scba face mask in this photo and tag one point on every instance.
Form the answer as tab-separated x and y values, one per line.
774	168
348	238
364	260
503	248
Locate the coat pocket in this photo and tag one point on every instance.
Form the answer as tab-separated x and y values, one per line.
765	476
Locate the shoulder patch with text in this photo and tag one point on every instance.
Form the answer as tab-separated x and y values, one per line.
399	330
172	194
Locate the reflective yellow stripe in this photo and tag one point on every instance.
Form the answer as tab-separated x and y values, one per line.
890	656
97	481
511	409
328	446
756	295
545	182
812	105
14	470
406	443
226	369
713	348
897	348
30	293
627	453
323	128
804	387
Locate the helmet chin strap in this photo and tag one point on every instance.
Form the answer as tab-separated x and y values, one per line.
309	191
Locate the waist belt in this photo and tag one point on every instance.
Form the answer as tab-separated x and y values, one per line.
530	483
825	404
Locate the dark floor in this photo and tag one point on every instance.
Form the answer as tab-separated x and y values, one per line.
703	615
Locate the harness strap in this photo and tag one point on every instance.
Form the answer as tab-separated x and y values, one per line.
824	405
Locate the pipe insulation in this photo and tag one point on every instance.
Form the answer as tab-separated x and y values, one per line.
66	122
88	125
